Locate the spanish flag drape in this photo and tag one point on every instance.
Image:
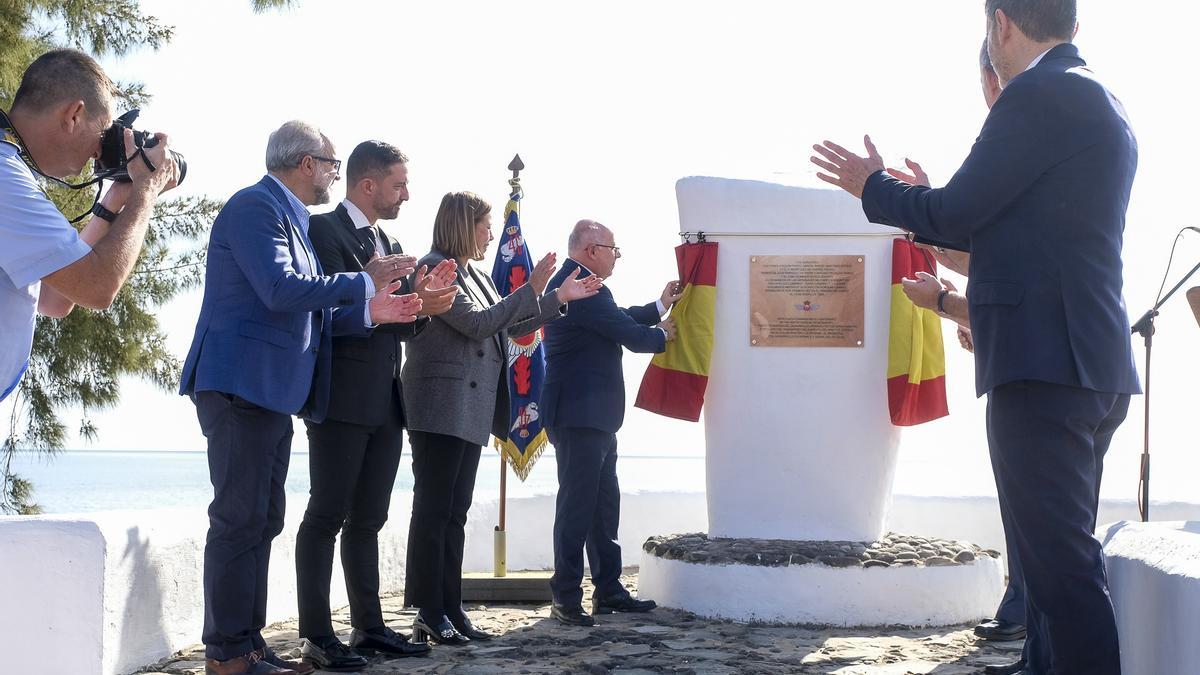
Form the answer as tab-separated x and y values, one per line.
674	383
916	361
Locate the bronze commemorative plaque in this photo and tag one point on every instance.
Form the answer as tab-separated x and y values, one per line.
806	300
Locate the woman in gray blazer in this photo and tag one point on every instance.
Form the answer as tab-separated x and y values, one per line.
455	396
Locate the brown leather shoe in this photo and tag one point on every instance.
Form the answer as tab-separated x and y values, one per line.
274	659
248	664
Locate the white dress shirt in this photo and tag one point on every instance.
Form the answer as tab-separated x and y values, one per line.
361	223
1038	59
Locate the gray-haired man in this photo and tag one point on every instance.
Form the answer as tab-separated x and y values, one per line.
261	354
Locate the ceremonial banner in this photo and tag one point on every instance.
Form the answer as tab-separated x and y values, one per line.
526	355
916	377
674	383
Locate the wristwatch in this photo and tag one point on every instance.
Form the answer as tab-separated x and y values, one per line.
941	302
99	211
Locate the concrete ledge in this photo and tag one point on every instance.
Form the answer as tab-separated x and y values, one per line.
525	587
816	594
1154	579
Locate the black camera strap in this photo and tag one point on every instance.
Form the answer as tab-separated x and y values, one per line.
12	136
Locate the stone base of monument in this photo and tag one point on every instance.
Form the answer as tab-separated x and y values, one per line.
897	581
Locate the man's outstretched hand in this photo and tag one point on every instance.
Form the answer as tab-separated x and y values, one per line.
846	169
388	308
917	177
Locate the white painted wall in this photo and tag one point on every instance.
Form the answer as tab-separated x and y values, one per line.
51	575
1154	579
123	588
799	441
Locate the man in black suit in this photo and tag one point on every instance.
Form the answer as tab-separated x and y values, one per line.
354	453
1040	204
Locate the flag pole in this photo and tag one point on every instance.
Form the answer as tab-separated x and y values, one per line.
499	543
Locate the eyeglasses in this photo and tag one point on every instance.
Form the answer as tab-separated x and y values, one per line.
615	249
337	163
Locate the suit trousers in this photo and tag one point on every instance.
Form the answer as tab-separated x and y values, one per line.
1047	444
1012	605
352	470
444	469
248	452
587	514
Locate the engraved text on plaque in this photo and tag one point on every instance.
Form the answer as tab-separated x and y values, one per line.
806	300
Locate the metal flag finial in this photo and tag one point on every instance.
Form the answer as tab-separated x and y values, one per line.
516	165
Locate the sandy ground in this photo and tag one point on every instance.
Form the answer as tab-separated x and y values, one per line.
662	641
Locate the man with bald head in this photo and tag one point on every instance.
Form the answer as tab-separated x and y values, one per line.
583	406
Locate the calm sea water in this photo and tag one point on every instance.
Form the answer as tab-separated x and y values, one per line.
77	482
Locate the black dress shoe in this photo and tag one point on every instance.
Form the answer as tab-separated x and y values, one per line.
621	603
442	634
1000	631
1014	668
571	616
330	654
468	629
385	641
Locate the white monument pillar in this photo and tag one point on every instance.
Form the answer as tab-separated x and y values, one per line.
799	442
800	448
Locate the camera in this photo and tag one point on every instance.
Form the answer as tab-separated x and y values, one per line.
113	164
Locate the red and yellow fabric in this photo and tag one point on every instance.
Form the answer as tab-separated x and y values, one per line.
916	376
675	382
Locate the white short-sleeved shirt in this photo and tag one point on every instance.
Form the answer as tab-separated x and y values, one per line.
35	241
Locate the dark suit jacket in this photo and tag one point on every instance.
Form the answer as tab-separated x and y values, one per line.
585	386
269	312
365	367
1040	204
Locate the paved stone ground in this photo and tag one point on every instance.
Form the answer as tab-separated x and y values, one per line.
663	641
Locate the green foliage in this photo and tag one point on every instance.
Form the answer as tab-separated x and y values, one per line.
264	5
79	361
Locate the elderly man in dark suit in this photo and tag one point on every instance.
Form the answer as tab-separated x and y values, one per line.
355	452
261	353
583	405
1040	204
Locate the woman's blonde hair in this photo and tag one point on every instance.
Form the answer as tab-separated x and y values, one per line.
454	226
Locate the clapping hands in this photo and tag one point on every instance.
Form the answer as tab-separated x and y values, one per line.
437	288
574	288
386	269
388	308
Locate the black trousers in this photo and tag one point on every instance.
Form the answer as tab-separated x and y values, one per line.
248	452
587	514
1047	445
1012	605
444	469
352	469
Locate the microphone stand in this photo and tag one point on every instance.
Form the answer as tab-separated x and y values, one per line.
1145	328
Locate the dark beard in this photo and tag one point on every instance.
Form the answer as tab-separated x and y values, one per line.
390	212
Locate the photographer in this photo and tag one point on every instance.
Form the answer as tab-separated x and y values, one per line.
59	114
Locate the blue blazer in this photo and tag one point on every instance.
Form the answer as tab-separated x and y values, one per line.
584	385
266	324
1040	204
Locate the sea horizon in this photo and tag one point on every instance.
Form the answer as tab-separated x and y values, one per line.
91	480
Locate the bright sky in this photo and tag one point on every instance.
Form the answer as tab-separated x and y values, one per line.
610	103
